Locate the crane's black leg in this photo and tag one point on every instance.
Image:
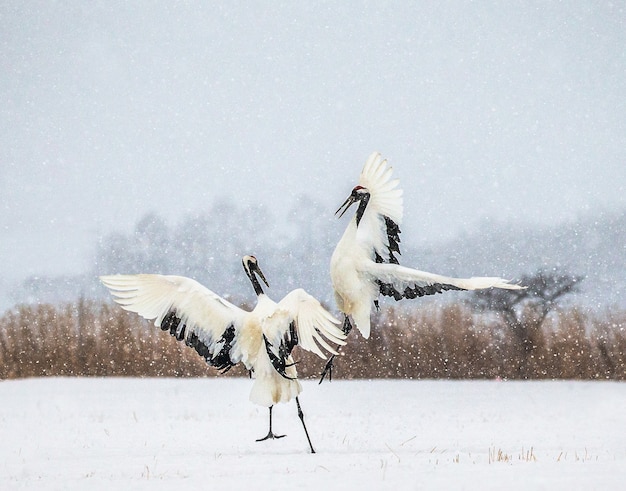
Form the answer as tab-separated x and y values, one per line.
328	369
301	416
270	434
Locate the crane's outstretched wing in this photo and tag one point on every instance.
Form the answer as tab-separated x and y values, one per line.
300	320
189	311
400	282
379	228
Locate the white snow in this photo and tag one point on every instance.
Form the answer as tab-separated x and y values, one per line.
200	434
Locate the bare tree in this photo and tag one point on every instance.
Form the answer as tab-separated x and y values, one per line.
524	311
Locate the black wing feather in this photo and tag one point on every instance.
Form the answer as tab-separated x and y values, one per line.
287	344
388	290
220	359
393	237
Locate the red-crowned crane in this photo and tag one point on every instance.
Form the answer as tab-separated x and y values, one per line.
225	335
364	264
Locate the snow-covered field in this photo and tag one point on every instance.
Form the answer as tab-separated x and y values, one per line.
200	434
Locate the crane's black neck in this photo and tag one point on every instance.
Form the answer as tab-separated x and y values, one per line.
363	201
256	284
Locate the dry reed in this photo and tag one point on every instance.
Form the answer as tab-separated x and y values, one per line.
442	342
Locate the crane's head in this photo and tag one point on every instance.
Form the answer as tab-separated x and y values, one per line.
251	267
358	195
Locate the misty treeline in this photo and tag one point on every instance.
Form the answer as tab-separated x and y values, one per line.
452	341
294	248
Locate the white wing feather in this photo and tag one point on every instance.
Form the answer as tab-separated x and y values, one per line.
314	324
153	296
385	198
385	201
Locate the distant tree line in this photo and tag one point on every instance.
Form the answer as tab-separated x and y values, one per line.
208	247
294	248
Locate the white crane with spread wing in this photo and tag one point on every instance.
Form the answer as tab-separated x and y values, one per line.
224	335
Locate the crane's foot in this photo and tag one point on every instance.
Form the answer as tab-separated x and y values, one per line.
270	436
328	370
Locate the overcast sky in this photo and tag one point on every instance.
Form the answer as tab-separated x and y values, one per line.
108	110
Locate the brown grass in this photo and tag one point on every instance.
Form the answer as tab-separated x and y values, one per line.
86	339
451	342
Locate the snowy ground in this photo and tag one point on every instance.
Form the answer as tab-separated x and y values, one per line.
200	434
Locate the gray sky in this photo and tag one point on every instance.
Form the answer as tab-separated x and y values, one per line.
108	110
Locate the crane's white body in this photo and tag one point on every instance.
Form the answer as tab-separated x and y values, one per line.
207	317
352	283
269	386
363	260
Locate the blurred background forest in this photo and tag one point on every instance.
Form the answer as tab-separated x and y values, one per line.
294	250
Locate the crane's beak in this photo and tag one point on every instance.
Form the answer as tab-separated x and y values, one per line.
346	204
